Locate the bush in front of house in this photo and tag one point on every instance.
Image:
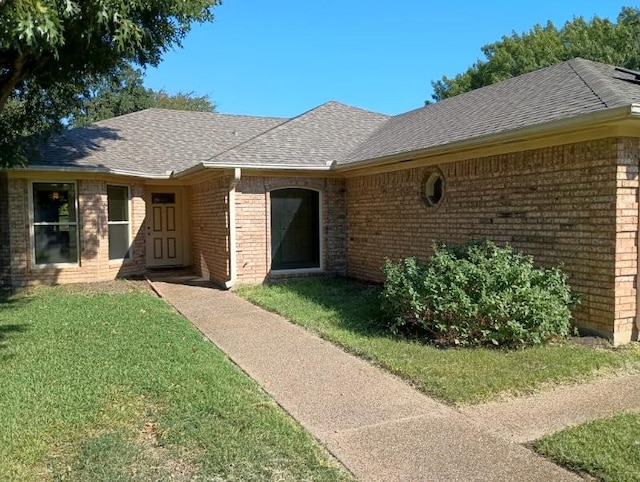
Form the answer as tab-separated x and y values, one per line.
476	295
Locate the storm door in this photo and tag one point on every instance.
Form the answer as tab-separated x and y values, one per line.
295	229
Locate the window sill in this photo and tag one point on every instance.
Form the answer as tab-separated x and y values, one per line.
55	265
297	271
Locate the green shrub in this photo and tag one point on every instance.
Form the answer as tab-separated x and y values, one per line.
477	295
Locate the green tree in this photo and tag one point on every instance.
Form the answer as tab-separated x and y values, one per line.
183	101
123	91
599	39
50	50
117	93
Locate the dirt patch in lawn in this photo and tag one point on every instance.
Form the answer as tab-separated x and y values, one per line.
116	287
178	465
591	342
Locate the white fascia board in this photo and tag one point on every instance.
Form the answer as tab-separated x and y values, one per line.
270	167
97	170
260	167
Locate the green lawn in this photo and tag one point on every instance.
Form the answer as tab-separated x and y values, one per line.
114	386
343	311
607	449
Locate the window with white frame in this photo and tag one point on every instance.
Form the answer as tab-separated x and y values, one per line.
118	220
55	223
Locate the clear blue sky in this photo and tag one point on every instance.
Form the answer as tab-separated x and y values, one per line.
283	57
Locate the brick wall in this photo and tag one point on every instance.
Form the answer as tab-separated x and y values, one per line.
626	267
93	232
558	204
5	253
253	223
136	265
19	244
209	212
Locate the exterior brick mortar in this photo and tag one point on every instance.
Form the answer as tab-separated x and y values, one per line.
5	252
559	204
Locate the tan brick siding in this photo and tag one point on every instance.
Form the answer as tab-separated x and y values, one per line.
209	212
253	224
5	253
557	203
626	257
136	264
94	262
19	237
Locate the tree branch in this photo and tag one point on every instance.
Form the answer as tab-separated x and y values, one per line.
16	74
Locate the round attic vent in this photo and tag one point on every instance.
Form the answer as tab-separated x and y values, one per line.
433	189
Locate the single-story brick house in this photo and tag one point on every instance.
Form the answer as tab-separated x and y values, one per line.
547	162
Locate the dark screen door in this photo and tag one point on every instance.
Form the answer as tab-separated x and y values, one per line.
295	229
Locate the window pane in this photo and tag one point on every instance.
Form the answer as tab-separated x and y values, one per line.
118	203
163	198
54	203
118	241
55	244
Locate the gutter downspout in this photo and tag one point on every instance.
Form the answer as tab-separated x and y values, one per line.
233	270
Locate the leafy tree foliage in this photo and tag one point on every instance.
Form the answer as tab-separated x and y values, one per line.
616	43
114	94
123	92
51	49
183	101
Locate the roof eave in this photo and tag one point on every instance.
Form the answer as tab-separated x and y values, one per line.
257	167
96	170
507	137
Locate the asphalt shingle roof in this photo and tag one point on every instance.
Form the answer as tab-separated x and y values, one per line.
152	141
156	141
316	138
561	91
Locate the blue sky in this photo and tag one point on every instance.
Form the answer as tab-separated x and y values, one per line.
281	58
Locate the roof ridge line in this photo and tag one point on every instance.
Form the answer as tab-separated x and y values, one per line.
371	135
287	121
583	65
186	112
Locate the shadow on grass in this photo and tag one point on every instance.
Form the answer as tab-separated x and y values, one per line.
6	331
11	299
6	295
356	303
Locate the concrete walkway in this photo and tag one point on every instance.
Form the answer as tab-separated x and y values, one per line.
529	418
380	428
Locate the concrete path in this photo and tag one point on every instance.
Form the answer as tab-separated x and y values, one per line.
380	428
529	418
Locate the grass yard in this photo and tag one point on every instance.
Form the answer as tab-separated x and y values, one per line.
114	386
607	449
343	311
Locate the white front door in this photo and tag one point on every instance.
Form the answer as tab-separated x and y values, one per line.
164	233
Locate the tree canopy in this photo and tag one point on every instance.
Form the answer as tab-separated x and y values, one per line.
51	49
123	91
616	43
